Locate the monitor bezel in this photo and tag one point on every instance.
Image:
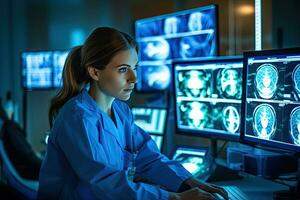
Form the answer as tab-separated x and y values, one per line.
175	13
254	141
203	133
27	89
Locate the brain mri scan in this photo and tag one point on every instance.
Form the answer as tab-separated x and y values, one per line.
266	81
264	121
195	21
296	78
229	83
158	49
158	77
195	114
295	125
171	25
195	83
231	119
196	46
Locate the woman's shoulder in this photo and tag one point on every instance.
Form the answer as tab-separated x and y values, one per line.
75	108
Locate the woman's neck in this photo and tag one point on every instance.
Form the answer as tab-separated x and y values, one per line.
103	101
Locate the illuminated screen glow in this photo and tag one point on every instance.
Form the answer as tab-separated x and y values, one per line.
272	104
158	139
192	160
208	96
180	35
42	69
152	120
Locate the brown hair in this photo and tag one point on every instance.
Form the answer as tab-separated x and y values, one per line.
97	51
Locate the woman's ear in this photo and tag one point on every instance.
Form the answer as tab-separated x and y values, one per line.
94	73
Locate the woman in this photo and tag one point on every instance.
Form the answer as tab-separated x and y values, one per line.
95	151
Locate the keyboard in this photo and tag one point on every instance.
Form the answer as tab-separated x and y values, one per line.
234	193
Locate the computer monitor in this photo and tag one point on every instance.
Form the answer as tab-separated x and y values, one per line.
36	70
181	35
159	140
208	96
271	99
59	58
192	159
152	120
42	69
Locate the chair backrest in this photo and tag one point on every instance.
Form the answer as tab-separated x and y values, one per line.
27	188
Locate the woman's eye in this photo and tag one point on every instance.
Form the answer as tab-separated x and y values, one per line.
123	69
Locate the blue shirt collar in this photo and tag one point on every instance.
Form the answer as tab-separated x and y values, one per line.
88	101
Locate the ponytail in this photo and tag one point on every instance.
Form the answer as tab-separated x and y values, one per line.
74	74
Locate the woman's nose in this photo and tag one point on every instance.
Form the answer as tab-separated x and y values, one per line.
132	76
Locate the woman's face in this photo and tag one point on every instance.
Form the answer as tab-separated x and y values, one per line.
119	76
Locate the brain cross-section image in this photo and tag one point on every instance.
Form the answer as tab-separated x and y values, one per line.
171	25
264	121
295	125
195	114
157	49
180	35
296	79
231	119
266	81
157	77
229	83
195	83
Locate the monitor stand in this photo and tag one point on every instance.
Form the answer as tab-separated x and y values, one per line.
219	171
293	193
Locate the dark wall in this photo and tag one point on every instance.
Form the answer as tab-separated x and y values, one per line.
286	23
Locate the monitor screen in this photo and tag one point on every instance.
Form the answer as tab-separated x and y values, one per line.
37	70
158	140
152	120
271	108
181	35
59	58
42	69
192	159
208	97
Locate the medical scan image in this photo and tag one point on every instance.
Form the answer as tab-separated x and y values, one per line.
295	125
171	25
231	119
59	59
196	46
266	81
229	83
156	77
38	71
155	49
264	121
194	83
194	164
198	21
296	79
195	114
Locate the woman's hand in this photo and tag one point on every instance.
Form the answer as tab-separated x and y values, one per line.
193	193
210	188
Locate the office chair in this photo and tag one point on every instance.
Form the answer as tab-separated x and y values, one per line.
26	188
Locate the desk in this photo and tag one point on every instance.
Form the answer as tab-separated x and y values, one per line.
256	188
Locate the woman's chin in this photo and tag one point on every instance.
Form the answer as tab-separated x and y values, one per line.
124	97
